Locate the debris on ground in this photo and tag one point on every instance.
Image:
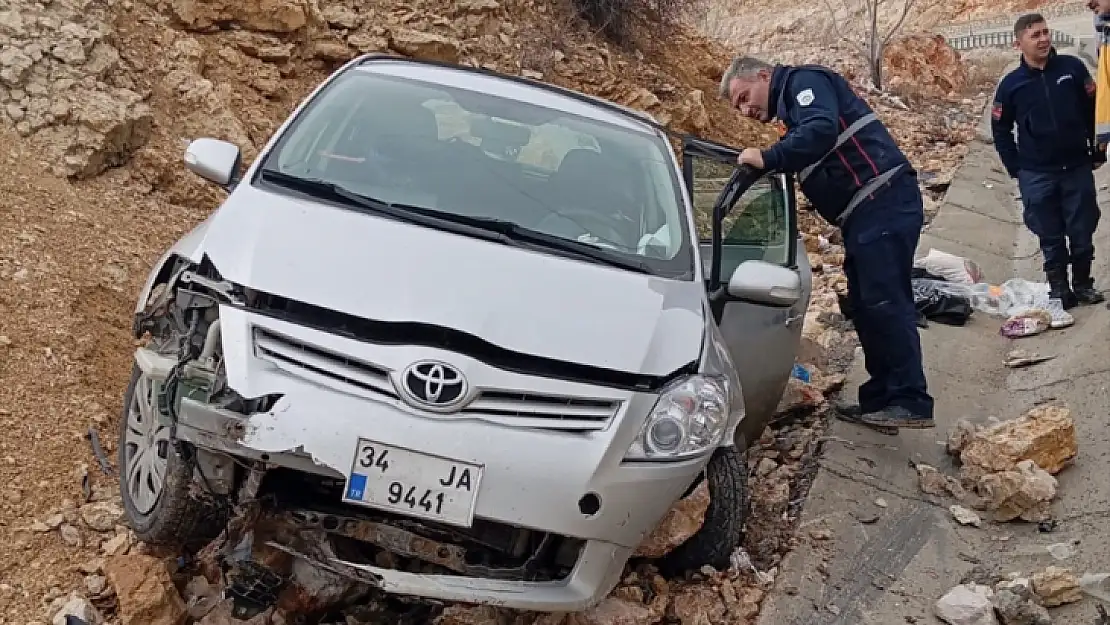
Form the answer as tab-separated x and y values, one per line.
681	522
1044	435
964	516
1016	604
967	604
1056	586
1018	358
147	595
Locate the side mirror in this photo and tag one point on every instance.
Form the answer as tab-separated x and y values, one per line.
760	282
214	160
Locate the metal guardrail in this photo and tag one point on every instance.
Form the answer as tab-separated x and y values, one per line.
1006	20
1000	39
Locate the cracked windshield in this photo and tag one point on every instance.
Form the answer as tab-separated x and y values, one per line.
482	156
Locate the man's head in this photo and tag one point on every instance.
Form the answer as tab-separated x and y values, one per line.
1032	37
747	86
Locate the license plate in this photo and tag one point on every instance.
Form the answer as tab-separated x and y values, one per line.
413	484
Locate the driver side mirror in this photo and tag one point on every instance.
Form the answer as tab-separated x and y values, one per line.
760	282
214	160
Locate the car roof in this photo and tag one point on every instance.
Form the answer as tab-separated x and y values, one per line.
512	87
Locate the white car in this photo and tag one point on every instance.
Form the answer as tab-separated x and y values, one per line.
463	324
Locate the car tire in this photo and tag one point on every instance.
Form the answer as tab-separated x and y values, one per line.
169	513
722	532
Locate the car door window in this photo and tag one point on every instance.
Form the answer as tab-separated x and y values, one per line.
757	227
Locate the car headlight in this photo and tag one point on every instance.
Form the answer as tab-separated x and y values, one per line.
688	419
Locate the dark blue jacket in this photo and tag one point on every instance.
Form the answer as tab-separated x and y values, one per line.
1054	111
817	105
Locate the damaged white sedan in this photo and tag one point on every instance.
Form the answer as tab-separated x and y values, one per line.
455	335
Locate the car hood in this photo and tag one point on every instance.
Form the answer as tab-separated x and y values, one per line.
528	302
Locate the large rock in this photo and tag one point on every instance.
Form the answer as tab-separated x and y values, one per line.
1056	586
1045	435
966	604
145	592
681	522
1024	492
1016	604
279	16
105	128
424	45
699	605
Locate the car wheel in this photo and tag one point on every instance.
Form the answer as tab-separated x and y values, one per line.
155	481
722	532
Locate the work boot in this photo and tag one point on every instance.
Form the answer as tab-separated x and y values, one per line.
897	417
1058	288
849	412
1084	285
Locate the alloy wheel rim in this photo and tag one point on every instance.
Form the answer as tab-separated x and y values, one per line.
146	448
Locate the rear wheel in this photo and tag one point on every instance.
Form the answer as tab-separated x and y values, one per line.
722	532
159	500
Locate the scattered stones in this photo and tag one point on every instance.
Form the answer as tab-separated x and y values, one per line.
70	535
1056	586
1024	492
80	607
146	594
966	604
1015	605
1044	435
964	516
680	523
102	516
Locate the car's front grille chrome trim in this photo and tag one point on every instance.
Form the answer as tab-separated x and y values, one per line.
512	408
299	358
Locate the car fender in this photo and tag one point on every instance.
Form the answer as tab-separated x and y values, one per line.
189	248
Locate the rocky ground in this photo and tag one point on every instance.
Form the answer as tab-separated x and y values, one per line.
99	98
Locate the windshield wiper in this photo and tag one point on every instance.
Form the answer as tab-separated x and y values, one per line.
527	235
498	230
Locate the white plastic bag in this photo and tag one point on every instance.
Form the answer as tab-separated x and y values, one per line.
952	268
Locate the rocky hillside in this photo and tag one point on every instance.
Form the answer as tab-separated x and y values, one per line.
99	99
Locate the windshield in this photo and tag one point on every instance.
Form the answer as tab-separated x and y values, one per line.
475	154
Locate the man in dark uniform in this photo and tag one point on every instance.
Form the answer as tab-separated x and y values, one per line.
854	174
1050	97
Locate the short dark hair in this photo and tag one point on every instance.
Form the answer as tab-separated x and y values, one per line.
1025	21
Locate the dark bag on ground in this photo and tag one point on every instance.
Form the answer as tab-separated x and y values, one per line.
932	303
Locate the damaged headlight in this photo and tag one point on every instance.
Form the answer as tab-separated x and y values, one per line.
688	420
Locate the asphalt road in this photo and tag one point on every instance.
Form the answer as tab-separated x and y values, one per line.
883	572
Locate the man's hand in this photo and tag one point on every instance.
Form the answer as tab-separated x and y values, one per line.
751	156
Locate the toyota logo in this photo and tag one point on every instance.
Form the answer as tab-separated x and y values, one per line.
433	384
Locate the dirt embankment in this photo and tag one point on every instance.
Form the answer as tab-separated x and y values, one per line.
99	99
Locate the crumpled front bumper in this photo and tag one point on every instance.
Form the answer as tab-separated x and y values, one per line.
533	478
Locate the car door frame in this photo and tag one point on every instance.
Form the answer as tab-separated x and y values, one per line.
762	339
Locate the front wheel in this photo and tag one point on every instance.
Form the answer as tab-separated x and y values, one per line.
722	532
159	501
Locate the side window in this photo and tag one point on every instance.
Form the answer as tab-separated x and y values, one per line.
757	227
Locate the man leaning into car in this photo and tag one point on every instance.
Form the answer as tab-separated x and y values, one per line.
855	175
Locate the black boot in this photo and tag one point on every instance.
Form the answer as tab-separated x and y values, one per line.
1083	284
1058	288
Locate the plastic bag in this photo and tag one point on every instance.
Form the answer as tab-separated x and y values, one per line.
941	301
952	268
1027	324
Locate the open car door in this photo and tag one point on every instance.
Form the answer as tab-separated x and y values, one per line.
758	274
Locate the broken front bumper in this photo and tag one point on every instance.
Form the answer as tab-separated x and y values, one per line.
562	474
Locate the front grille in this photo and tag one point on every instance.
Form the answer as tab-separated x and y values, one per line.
505	407
542	411
312	362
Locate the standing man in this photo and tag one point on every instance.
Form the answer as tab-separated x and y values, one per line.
1050	97
854	174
